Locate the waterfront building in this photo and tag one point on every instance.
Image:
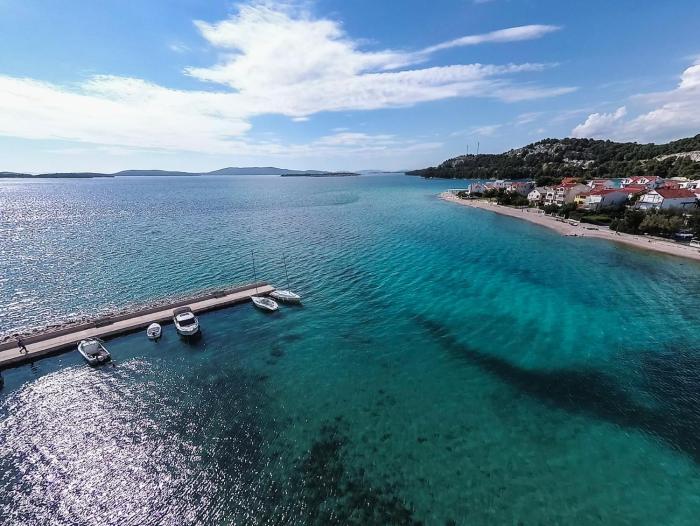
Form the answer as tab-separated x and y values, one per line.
605	198
667	198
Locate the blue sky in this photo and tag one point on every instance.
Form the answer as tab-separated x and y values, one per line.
329	84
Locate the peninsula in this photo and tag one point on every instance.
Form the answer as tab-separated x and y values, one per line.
550	160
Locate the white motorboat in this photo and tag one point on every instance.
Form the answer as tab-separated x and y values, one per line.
286	295
94	351
154	331
265	303
185	321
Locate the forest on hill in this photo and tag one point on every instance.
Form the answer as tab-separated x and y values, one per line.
550	160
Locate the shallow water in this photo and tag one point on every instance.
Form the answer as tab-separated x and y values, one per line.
448	364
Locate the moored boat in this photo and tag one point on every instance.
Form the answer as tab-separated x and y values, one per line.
265	303
286	295
154	331
185	321
94	352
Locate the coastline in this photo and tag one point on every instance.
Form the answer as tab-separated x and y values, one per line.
566	229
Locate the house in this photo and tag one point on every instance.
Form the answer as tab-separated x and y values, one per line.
605	198
565	193
667	198
601	183
580	199
574	191
550	196
672	184
520	187
536	195
677	182
497	185
569	181
635	189
650	181
476	188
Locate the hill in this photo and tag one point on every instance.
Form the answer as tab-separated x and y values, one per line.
551	159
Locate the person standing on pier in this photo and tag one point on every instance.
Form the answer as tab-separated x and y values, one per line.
21	346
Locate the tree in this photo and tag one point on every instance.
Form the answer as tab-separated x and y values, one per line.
549	160
662	223
629	222
694	222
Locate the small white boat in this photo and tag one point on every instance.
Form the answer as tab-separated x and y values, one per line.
94	351
185	321
286	295
264	303
154	331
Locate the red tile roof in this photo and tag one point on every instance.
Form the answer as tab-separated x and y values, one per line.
635	188
675	193
651	178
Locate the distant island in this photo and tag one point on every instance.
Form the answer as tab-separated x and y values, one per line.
250	170
550	160
321	174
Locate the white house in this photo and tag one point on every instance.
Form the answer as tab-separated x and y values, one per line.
605	197
536	195
650	181
666	198
550	196
476	188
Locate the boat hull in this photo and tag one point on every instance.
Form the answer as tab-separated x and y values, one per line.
186	331
265	304
285	296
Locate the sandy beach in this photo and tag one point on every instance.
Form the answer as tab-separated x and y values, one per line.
581	230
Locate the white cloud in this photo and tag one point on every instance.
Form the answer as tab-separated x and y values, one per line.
512	34
487	131
527	118
600	124
120	112
355	139
274	60
179	47
664	116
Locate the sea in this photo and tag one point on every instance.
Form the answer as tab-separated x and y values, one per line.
447	366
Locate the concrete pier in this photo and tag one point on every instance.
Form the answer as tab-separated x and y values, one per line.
52	342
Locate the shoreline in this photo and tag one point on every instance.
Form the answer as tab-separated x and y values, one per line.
566	229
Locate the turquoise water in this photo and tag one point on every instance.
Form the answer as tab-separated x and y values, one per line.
449	365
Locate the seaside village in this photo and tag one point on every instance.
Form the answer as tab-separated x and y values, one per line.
637	205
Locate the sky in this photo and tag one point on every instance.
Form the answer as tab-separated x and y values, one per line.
197	85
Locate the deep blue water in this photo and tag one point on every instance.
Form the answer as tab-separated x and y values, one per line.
448	364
